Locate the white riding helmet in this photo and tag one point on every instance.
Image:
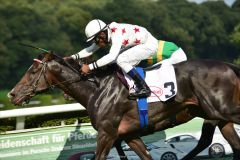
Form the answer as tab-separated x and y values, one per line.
93	28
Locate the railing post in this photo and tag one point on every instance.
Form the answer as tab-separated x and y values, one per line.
62	123
20	123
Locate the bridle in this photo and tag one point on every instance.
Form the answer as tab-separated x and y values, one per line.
33	90
42	72
50	86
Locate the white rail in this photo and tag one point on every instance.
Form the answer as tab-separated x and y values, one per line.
21	113
41	110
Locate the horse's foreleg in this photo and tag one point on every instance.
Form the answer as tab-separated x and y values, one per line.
120	151
137	145
105	142
208	129
232	137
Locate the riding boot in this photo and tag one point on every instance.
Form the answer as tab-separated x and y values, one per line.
142	89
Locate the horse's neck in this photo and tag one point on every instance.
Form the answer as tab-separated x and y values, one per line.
92	96
96	97
71	83
85	91
81	91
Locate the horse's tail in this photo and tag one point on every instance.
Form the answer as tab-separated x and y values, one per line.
235	68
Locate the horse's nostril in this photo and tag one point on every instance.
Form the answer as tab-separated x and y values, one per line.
11	94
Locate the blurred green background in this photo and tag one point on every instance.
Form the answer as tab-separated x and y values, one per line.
207	30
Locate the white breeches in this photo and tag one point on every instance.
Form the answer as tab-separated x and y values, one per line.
177	57
133	56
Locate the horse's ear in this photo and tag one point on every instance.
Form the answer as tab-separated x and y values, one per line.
48	56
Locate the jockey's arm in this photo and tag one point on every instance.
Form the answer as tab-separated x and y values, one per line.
86	52
110	57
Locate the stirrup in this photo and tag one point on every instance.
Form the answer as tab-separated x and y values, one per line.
143	93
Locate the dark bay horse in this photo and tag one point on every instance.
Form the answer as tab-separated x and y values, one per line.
209	86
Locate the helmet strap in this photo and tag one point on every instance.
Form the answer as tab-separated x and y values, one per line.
103	36
106	36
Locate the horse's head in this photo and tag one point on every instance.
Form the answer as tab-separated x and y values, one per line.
50	70
39	77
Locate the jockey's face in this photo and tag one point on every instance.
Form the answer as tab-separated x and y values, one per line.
101	39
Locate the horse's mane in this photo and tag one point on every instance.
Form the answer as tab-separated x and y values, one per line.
106	70
73	63
40	56
100	72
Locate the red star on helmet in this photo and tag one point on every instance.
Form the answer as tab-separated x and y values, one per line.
123	31
125	42
136	30
113	29
137	41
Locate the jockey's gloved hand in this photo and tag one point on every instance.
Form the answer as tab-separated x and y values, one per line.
85	69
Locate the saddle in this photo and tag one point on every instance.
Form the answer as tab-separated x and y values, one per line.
160	78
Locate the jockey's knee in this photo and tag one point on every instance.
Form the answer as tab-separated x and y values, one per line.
124	64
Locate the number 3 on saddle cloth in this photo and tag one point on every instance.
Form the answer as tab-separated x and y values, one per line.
162	82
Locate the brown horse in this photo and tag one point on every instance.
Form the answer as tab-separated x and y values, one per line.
210	86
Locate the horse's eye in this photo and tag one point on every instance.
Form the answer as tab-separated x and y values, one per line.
34	71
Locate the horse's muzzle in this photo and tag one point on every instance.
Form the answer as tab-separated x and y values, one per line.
17	100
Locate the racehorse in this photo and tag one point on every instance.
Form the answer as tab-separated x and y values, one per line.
213	87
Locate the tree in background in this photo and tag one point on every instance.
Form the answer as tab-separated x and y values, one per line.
235	40
236	5
235	36
25	25
208	30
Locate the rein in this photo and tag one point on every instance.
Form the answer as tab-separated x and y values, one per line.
43	71
33	91
51	86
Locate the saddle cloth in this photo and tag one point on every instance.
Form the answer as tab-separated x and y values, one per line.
162	82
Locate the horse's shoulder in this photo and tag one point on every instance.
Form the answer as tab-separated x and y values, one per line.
106	71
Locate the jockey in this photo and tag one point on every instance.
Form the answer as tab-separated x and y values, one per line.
130	44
